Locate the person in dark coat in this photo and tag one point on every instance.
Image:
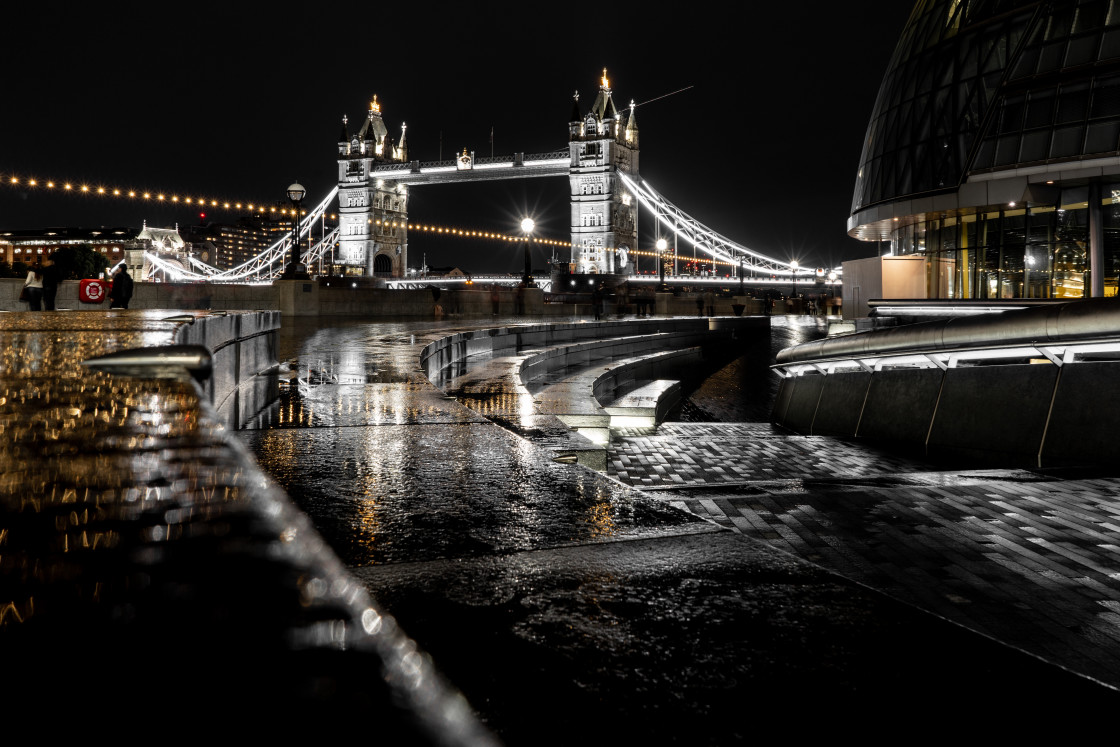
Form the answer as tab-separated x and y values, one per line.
50	283
121	293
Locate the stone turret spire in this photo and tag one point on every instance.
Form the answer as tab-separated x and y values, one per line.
632	125
374	131
603	107
574	122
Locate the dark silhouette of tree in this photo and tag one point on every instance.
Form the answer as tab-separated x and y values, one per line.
79	261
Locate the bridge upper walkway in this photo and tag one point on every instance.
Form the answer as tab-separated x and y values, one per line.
482	168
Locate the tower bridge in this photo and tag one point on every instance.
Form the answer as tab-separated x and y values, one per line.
607	197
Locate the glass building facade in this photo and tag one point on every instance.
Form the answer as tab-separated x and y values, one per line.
994	149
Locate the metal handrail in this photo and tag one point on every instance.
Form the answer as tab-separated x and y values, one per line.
1097	318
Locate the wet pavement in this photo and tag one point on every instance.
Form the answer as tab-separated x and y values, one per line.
153	581
1031	559
673	600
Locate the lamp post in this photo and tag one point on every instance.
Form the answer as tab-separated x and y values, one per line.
661	244
527	226
793	274
296	192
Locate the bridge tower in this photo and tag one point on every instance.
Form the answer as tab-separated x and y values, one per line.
372	211
604	224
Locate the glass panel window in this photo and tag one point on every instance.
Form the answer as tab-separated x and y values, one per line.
1067	141
1110	45
1082	50
1040	110
1073	104
1106	98
1101	137
1035	146
1007	151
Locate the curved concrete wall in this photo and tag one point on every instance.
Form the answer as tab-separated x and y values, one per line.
451	349
1035	415
245	373
1055	410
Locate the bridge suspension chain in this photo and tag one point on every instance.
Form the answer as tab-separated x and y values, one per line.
266	266
705	239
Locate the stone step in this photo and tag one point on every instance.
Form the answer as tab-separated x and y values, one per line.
645	406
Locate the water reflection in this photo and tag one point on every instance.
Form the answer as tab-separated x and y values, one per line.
391	469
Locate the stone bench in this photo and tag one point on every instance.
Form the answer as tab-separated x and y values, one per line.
577	401
645	406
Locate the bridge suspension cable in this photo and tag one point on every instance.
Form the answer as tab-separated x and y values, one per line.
269	264
705	239
266	266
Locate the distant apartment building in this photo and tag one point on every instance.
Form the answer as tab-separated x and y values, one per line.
133	246
31	246
229	245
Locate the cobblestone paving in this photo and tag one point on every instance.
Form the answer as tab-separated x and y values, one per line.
1028	558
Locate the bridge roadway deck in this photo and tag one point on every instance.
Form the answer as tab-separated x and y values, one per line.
565	604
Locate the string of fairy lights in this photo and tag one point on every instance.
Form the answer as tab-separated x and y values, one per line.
24	182
17	181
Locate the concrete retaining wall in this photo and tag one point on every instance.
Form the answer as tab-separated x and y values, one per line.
1031	415
243	345
300	298
343	298
841	404
451	349
1084	416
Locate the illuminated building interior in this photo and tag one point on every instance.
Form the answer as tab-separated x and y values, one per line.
994	149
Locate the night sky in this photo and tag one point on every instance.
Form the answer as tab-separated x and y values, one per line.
208	101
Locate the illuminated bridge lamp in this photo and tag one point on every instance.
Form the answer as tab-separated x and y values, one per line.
527	226
661	245
296	192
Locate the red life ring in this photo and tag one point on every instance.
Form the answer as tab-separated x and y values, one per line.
92	290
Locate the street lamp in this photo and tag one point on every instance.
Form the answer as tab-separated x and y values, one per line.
527	226
793	274
296	192
661	244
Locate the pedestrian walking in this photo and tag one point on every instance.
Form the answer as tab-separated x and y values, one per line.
50	283
121	292
597	301
33	288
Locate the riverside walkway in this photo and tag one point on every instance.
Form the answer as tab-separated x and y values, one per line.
153	575
552	594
